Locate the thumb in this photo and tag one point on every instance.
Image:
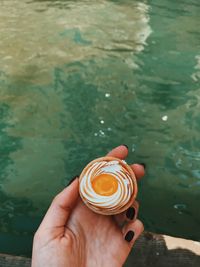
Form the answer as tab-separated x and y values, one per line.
61	207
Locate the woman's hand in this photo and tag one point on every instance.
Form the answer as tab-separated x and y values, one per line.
71	235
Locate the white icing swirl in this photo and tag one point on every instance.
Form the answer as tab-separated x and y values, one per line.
115	201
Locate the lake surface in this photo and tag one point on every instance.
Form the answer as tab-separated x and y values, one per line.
78	78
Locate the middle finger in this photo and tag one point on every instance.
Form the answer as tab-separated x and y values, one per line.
128	215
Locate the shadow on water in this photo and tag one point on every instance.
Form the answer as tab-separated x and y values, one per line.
17	224
177	211
154	252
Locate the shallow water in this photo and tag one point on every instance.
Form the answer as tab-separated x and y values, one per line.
78	78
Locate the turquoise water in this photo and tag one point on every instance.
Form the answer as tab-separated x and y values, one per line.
80	77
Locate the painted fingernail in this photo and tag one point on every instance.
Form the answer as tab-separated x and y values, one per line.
130	213
76	176
143	164
125	145
129	236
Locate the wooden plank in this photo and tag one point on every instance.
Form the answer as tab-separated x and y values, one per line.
14	261
151	250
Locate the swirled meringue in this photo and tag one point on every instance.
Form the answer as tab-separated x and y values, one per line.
124	193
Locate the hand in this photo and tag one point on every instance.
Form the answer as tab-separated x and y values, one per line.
71	235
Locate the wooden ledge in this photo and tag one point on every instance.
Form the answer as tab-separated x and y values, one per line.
154	250
151	250
14	261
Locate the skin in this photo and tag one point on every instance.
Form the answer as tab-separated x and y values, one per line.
73	235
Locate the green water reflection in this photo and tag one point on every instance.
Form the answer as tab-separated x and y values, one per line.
76	79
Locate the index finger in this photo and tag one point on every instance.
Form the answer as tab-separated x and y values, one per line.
120	152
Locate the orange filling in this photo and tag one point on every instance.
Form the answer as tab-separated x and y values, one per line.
105	184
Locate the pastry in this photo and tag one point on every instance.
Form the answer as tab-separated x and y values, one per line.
108	185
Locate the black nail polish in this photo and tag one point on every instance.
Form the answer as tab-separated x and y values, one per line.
130	213
129	236
125	145
143	164
76	176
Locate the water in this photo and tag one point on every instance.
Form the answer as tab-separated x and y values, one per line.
80	77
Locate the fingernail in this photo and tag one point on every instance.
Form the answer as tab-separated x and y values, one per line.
143	164
129	236
130	213
125	145
76	176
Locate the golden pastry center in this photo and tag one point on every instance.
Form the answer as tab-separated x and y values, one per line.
105	184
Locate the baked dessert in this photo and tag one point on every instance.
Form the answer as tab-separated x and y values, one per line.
108	185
